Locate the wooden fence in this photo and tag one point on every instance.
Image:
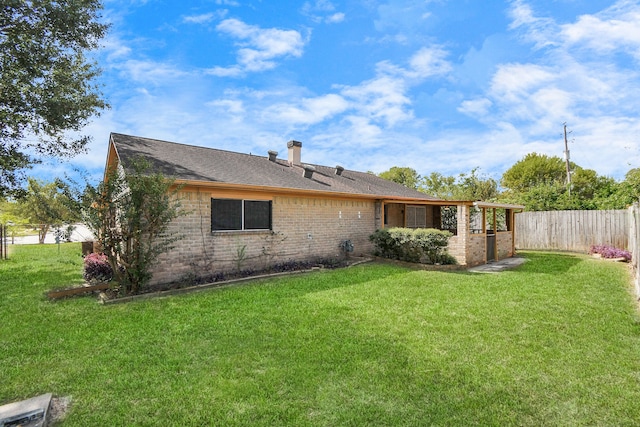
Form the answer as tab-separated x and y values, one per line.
3	242
634	243
576	231
573	231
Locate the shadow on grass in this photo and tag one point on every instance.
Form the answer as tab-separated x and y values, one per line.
549	263
324	280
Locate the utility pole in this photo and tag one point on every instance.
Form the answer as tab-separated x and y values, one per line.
566	159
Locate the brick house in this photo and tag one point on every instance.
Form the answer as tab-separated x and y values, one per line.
246	210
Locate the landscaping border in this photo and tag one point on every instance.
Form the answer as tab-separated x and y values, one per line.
222	284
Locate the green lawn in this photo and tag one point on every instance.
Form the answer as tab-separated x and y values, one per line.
555	342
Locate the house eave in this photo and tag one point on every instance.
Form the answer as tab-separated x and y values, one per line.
298	191
480	204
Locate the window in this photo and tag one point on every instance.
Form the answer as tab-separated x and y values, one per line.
233	214
416	216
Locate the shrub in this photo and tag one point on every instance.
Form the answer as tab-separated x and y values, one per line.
413	245
97	268
130	215
384	244
433	243
606	251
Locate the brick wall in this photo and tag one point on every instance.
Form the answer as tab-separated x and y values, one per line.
476	249
303	228
458	243
505	244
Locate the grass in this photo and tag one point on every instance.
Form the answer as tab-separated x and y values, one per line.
555	342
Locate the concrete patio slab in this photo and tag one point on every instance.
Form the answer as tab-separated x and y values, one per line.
498	266
26	413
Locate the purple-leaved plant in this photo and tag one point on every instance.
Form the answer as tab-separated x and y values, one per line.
606	251
97	268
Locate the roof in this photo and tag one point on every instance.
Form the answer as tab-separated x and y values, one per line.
190	163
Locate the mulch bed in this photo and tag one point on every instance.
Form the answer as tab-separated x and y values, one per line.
108	294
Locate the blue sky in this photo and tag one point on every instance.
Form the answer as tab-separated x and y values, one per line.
437	85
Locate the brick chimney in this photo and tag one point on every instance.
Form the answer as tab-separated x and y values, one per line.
295	149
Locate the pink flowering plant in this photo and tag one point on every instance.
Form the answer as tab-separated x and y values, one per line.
97	268
606	251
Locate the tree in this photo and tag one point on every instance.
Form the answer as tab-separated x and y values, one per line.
534	169
46	82
476	187
539	183
402	175
621	195
440	186
470	186
130	216
46	205
10	217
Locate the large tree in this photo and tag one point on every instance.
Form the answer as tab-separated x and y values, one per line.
621	194
47	84
470	186
539	183
47	205
534	170
402	175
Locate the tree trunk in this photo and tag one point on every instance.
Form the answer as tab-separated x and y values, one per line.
42	233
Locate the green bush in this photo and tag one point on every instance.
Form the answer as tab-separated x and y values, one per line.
425	245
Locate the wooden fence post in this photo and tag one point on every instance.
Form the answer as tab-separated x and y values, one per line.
3	242
634	243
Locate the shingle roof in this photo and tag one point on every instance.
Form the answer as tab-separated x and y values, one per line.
193	163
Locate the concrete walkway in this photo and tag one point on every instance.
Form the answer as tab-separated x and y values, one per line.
498	266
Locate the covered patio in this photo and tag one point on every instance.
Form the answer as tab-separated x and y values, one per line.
482	231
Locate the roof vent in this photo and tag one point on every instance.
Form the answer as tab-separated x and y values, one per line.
308	171
272	155
339	170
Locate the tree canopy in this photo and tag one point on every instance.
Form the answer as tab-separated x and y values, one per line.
470	186
47	85
537	181
130	216
534	169
46	204
402	175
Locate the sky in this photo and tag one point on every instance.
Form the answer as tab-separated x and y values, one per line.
436	85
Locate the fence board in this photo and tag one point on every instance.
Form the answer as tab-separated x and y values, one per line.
573	231
634	244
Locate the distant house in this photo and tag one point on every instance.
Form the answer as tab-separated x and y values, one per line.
247	210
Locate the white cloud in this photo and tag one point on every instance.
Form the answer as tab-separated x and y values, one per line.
309	110
199	19
429	61
618	28
258	48
150	71
335	18
405	16
475	107
514	82
229	105
540	31
381	99
322	11
115	48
